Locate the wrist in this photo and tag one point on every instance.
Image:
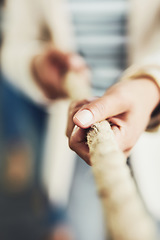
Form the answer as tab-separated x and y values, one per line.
155	113
152	91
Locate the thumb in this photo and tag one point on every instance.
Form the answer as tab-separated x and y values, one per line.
98	110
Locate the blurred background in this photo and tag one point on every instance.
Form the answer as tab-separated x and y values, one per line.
46	191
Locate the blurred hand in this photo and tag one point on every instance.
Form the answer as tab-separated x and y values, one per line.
126	105
50	68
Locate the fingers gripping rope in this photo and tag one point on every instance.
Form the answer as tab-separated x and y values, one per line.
126	216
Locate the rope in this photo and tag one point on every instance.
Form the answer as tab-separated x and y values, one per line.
125	214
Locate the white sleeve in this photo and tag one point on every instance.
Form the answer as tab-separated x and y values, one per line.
58	19
21	44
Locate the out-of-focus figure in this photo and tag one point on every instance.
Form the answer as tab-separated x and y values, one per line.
38	51
22	197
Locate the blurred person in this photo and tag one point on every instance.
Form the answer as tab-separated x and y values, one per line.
25	210
15	171
100	29
34	77
46	56
40	77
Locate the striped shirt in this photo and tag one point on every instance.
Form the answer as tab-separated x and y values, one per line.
100	34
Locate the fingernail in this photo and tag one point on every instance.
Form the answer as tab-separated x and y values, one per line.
75	129
84	117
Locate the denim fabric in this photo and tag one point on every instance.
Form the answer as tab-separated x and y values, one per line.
22	122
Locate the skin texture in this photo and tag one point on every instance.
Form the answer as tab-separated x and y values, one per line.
49	70
126	105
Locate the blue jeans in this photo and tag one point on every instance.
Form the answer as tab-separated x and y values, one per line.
22	122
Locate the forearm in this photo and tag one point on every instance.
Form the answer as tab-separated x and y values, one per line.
16	62
152	74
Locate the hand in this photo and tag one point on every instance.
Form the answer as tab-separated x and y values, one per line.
49	70
126	105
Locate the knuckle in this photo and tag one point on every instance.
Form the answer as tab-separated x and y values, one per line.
71	144
72	108
76	106
98	109
72	105
70	114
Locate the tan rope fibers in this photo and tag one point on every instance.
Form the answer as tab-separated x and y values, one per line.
124	211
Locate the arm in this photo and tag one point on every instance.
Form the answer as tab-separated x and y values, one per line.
27	54
144	47
151	72
21	44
